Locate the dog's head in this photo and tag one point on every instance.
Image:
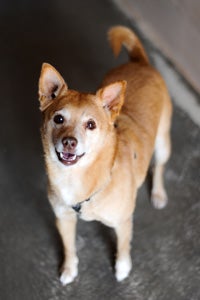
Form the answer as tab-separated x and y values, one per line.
76	124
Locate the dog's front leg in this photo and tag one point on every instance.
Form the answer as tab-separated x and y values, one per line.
67	228
123	263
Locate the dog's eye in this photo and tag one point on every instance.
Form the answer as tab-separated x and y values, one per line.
91	125
58	119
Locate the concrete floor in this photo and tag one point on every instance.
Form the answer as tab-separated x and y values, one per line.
166	247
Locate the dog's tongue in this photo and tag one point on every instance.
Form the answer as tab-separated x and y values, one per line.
68	156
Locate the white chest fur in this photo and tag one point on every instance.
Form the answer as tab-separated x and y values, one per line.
66	189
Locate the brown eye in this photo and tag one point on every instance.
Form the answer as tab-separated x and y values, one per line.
91	125
58	119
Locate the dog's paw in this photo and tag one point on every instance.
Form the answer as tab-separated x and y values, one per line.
69	273
68	276
159	199
123	268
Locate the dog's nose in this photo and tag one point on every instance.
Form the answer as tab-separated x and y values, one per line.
70	142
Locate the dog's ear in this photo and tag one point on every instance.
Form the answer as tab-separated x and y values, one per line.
112	97
51	84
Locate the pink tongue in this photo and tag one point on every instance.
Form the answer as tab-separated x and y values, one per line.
68	156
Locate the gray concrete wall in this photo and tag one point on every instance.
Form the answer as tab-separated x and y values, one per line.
174	26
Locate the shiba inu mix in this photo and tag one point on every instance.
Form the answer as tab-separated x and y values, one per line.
98	148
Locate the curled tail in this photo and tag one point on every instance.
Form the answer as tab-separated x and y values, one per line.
121	35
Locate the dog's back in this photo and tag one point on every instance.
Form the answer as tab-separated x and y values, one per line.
146	96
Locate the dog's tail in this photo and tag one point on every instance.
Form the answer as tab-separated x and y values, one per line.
121	35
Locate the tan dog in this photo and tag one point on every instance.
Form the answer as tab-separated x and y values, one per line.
98	148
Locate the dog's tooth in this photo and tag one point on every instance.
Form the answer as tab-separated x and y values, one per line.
61	154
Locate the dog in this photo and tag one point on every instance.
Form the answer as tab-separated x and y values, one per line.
98	148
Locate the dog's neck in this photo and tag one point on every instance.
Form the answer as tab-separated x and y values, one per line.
77	207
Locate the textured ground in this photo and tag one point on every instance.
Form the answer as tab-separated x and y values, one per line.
166	246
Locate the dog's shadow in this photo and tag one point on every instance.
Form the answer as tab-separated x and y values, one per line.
108	239
149	180
101	238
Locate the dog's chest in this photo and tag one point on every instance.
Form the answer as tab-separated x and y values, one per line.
67	190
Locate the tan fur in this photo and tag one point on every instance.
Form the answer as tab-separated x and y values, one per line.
113	158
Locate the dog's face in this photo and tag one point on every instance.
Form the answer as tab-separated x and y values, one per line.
76	124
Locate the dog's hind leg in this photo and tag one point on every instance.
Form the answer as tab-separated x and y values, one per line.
123	263
67	229
162	153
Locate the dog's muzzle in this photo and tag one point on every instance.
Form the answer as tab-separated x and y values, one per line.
68	154
68	158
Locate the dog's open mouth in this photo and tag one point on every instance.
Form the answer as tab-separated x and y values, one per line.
68	158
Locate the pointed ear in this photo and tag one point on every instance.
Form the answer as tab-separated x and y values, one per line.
51	84
112	97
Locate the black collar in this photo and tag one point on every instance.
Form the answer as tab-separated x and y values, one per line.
77	207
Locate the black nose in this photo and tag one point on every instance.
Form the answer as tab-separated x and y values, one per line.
70	142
